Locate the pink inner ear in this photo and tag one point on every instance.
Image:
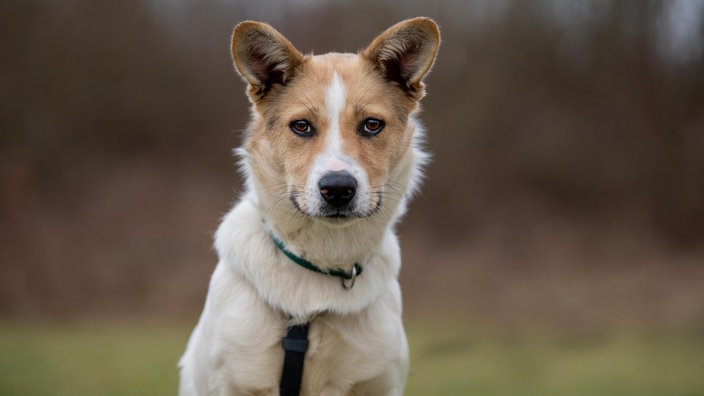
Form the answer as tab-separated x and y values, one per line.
407	64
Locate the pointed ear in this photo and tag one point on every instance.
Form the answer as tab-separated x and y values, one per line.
405	52
263	56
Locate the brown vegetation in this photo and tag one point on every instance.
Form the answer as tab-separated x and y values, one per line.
566	187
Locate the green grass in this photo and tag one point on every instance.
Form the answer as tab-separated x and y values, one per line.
619	364
141	360
90	360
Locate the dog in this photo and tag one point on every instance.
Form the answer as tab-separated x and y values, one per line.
331	157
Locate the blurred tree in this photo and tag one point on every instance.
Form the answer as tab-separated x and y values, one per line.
116	121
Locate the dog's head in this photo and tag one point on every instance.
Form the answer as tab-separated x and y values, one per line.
333	136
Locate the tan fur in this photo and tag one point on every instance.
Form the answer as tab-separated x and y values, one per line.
368	96
357	342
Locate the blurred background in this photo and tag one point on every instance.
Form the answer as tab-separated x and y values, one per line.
561	223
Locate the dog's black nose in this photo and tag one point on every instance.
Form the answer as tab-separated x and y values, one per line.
338	188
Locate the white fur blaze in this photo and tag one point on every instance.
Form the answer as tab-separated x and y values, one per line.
335	101
334	158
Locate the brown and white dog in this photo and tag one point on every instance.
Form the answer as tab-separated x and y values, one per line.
331	156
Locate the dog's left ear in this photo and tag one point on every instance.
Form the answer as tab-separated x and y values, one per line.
405	52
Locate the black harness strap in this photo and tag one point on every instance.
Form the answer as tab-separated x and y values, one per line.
295	344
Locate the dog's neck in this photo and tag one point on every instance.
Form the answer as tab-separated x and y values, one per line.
329	245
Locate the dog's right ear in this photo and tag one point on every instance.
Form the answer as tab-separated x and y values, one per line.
263	56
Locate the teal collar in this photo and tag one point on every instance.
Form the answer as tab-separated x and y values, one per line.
348	278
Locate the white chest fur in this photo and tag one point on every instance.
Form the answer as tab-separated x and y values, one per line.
237	343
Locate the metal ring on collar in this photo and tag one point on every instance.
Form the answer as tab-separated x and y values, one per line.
351	279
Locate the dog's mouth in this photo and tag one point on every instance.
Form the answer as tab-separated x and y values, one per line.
340	215
336	214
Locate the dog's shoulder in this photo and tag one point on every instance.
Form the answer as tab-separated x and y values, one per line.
241	225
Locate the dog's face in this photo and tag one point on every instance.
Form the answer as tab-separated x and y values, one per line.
329	132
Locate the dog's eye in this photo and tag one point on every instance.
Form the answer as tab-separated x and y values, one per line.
371	126
301	128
